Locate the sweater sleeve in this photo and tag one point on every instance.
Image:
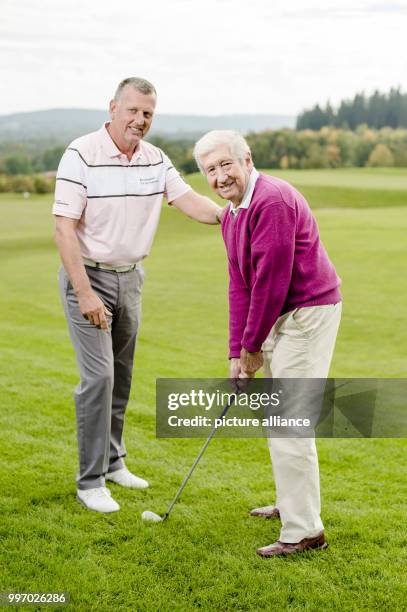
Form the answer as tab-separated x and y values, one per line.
239	301
272	256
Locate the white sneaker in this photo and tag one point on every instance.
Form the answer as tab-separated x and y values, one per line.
98	499
126	479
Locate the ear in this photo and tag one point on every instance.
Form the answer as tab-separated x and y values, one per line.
248	160
112	108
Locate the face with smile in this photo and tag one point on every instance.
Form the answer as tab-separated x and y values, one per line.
227	176
131	116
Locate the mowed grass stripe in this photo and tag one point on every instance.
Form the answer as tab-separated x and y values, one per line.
388	179
339	188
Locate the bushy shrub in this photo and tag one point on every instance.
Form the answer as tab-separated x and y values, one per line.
21	183
31	183
43	184
381	156
4	184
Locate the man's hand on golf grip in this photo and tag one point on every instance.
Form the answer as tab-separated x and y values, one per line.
250	362
235	369
238	378
94	310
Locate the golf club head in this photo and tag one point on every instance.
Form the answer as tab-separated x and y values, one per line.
152	517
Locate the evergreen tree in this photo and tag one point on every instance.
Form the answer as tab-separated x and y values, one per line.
377	111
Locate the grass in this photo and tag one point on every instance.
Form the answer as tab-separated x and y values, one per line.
203	558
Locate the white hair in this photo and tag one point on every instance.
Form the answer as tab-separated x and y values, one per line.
216	138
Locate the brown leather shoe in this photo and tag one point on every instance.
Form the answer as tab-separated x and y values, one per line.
267	512
284	549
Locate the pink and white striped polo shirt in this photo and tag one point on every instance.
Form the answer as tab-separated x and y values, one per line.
117	201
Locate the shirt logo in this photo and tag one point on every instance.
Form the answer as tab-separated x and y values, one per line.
150	179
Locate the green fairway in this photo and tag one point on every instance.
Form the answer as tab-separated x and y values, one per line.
343	188
386	179
203	558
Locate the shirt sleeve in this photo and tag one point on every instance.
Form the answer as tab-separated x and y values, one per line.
70	186
272	258
239	302
175	186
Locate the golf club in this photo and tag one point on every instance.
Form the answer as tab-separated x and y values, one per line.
156	518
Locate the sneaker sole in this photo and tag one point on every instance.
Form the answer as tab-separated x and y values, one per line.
119	484
82	503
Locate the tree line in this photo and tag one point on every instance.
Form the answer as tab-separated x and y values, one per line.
328	147
28	167
377	111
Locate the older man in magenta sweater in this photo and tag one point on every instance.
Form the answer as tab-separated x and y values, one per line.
284	312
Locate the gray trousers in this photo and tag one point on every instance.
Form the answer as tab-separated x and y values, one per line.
105	361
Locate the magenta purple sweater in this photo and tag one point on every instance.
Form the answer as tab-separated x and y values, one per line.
277	262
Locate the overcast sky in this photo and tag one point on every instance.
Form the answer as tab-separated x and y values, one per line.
204	56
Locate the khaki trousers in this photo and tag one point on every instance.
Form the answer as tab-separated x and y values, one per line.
300	345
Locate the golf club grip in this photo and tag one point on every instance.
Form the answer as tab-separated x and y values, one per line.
201	452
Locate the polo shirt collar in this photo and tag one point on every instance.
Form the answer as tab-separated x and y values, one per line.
109	146
248	194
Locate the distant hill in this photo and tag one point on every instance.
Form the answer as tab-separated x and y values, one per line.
65	124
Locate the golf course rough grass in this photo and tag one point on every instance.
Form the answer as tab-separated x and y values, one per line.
203	557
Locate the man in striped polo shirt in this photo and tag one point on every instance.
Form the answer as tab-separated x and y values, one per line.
108	197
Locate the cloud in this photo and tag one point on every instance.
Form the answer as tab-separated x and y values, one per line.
331	9
387	8
204	56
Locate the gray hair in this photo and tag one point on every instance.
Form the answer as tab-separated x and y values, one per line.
141	85
211	140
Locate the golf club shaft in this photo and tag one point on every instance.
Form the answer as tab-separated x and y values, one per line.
203	449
